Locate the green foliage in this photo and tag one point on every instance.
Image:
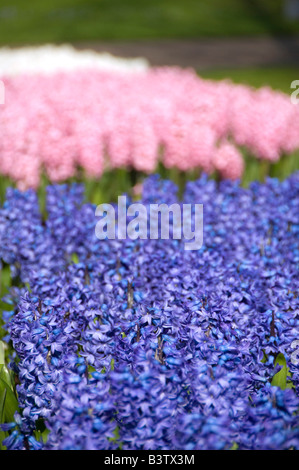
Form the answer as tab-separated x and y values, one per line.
116	438
41	433
75	258
88	20
234	446
2	354
278	78
280	379
8	397
5	283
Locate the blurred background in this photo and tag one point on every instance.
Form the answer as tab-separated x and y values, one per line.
250	41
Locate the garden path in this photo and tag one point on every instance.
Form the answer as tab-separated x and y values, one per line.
205	54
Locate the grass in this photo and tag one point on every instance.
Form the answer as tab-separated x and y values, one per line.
278	78
79	20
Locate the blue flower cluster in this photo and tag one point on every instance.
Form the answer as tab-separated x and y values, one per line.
141	344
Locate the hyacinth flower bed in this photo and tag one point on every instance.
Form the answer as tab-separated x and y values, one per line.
141	344
163	119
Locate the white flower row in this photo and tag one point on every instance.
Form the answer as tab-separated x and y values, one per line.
51	58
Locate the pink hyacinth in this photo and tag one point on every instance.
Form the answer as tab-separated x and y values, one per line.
228	161
99	119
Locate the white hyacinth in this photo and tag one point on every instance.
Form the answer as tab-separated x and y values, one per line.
51	58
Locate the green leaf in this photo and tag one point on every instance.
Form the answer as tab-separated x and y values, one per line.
27	285
10	402
2	353
75	258
8	399
234	446
3	434
2	404
280	378
41	433
116	437
265	358
5	375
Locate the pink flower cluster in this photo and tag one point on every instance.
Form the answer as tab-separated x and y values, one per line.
99	119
